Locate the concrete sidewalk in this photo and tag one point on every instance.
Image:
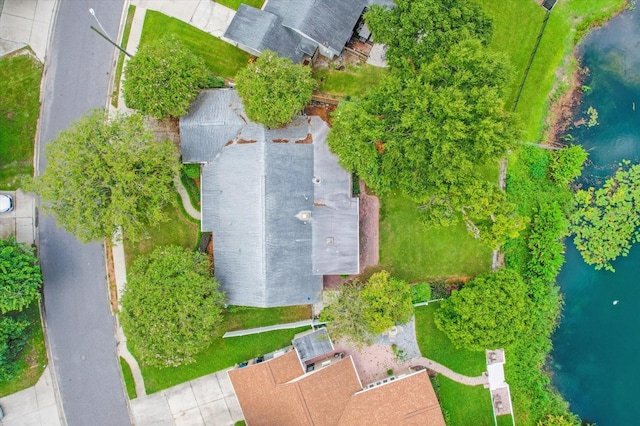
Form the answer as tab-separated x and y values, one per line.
35	406
26	23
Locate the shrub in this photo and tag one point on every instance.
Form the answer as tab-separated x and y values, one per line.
191	170
420	292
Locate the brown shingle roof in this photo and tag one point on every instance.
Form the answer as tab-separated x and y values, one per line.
406	401
277	392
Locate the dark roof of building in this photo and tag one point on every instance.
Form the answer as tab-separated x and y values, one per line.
257	195
312	344
293	28
261	30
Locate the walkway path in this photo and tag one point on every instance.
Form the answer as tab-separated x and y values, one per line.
206	15
186	201
447	372
286	326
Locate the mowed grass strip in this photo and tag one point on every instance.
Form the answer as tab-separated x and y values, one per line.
463	405
235	4
415	252
20	77
351	82
222	58
127	375
219	355
516	26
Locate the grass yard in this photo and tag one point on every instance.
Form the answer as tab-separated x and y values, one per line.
415	252
34	356
352	82
177	231
128	379
222	58
516	26
435	345
220	354
235	4
20	77
463	405
125	39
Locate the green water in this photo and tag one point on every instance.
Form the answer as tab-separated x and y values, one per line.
596	357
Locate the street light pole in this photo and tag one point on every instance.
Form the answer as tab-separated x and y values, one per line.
105	34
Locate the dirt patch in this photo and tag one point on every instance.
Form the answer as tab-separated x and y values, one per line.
167	129
321	109
561	111
111	276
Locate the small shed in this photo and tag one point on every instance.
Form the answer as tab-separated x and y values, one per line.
548	4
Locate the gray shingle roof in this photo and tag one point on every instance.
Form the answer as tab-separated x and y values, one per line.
295	27
256	187
312	344
327	22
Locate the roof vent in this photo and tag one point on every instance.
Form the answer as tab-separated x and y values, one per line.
329	241
316	180
304	216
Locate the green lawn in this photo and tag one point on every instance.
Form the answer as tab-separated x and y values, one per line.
177	231
415	252
464	405
516	26
33	359
352	82
20	77
128	379
435	345
125	39
505	420
221	57
220	354
235	4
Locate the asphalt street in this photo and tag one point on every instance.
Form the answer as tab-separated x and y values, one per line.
79	321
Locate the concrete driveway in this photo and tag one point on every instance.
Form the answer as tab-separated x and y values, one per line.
26	22
35	406
209	400
19	222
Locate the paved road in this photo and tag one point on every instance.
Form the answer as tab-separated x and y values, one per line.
80	325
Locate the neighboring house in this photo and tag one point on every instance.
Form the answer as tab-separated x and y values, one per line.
280	391
298	28
277	202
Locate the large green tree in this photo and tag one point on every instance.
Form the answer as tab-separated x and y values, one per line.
488	312
163	78
415	30
103	175
274	89
388	301
20	276
429	134
361	311
13	338
606	221
171	306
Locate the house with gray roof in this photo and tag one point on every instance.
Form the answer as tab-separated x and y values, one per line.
276	201
296	28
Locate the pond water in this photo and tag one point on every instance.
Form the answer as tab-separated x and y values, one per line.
596	356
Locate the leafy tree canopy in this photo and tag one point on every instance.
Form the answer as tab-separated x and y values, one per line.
488	312
13	337
101	176
171	306
566	163
388	301
606	221
163	78
362	311
274	89
416	30
428	134
20	276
